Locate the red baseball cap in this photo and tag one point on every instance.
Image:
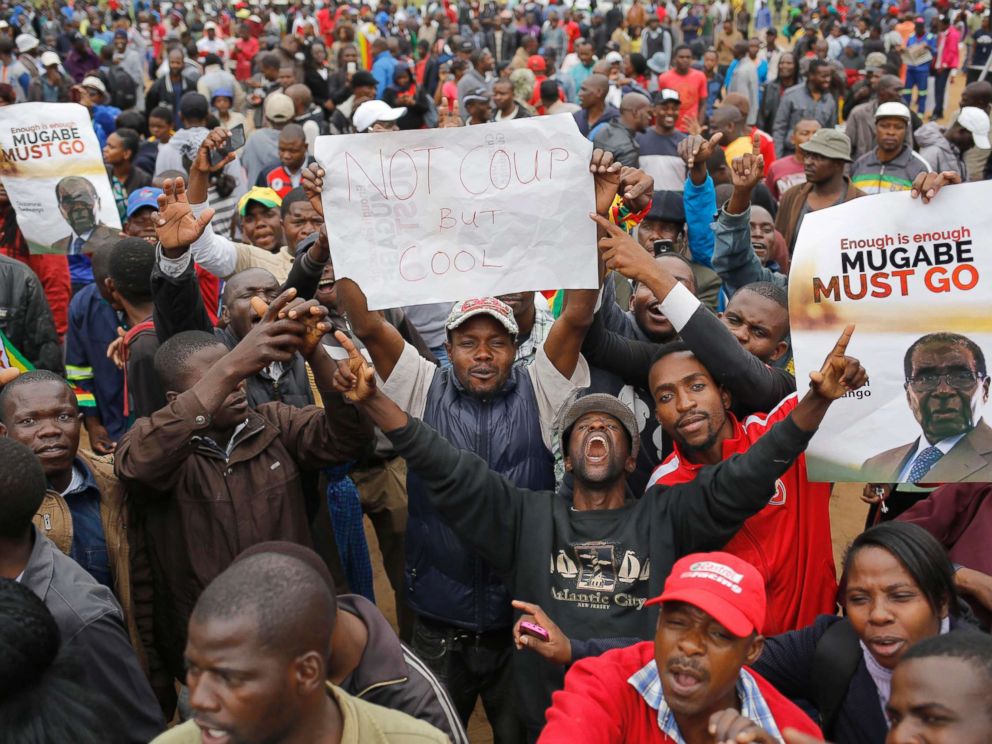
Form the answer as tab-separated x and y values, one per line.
727	588
536	63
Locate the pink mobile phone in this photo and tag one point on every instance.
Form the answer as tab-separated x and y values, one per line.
535	630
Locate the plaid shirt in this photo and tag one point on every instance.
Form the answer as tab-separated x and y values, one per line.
753	706
543	320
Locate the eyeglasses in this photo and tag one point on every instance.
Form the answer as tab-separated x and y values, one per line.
960	380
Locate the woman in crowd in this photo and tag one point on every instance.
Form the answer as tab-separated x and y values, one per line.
222	100
344	36
339	82
897	588
788	75
316	73
118	156
405	92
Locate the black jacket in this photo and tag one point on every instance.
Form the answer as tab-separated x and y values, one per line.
604	564
26	318
391	675
179	307
161	92
787	663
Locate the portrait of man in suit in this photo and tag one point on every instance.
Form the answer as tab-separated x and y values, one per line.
947	386
79	205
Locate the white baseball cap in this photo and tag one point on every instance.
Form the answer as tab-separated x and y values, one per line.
26	42
50	58
894	109
372	111
614	58
92	81
976	121
209	25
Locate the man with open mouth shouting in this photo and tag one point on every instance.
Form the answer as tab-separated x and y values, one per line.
592	561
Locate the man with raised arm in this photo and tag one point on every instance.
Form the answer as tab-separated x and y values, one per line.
593	560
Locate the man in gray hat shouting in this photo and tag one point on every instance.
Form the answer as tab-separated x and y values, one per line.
591	559
826	154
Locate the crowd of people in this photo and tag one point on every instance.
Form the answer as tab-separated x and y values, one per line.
591	505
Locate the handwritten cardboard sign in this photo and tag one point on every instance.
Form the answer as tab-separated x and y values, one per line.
52	168
446	214
914	280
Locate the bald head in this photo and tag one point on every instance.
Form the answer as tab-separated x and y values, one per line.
283	599
889	88
301	95
635	110
738	101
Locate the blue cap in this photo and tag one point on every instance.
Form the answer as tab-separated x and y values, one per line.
146	197
226	92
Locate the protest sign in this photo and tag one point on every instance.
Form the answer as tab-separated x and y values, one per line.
446	214
52	168
900	271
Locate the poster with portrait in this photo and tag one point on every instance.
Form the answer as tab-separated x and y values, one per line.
916	280
51	167
439	215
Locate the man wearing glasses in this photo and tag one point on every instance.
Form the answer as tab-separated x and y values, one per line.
80	208
946	386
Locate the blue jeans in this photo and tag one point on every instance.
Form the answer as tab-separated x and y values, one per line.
916	79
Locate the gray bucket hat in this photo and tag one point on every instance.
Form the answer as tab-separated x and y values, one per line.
830	143
599	403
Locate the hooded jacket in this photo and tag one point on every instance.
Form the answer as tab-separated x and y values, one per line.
938	151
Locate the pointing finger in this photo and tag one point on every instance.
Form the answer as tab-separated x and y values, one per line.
840	348
756	144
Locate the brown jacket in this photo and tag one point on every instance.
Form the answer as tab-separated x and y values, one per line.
54	521
791	206
198	509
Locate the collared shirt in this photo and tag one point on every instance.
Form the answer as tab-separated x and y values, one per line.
753	706
527	350
944	445
89	545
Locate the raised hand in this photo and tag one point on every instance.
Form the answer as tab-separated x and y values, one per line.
272	339
730	727
927	185
840	373
636	188
606	175
175	225
355	380
696	150
310	313
620	252
748	169
7	374
445	117
313	185
557	649
215	140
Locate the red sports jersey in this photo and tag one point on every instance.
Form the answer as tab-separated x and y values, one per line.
789	540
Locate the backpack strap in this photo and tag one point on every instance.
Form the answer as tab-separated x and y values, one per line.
835	660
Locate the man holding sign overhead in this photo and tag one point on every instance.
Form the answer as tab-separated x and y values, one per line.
505	415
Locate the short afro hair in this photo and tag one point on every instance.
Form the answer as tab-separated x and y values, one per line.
23	485
131	264
770	291
971	646
172	357
287	602
945	337
34	375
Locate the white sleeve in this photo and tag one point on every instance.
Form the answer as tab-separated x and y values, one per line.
679	306
171	267
409	382
213	252
553	390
